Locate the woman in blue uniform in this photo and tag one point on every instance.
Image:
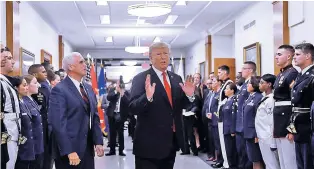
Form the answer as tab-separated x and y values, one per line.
26	154
228	125
36	121
249	113
212	115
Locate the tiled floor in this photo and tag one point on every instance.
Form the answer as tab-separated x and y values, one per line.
117	162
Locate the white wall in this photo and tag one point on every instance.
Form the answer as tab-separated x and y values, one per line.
36	34
194	55
261	32
2	23
303	31
222	47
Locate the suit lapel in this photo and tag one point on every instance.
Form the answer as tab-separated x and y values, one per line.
75	91
304	76
159	85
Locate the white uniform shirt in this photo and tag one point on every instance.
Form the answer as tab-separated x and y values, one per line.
10	117
264	120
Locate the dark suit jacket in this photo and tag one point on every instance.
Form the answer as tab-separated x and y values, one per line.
154	133
69	118
113	98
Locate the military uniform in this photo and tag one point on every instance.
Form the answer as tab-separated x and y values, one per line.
249	132
282	113
11	117
312	118
302	98
42	99
227	114
4	138
242	95
26	153
37	131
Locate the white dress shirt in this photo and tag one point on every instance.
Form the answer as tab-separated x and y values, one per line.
77	84
306	69
159	74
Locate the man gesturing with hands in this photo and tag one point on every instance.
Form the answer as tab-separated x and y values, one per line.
158	97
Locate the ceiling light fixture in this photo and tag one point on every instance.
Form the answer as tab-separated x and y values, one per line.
157	39
137	48
171	19
130	63
140	21
181	3
149	9
104	19
101	3
109	39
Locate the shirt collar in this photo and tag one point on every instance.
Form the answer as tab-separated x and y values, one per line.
306	69
285	68
247	80
158	72
76	83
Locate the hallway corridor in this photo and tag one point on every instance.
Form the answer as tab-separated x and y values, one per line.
117	162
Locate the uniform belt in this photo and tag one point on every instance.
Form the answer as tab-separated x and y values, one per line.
301	110
283	103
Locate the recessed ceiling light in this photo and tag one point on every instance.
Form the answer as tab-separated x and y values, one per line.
157	39
181	3
140	21
109	39
104	19
101	3
171	19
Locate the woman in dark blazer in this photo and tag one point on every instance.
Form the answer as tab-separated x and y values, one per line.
36	121
26	153
249	112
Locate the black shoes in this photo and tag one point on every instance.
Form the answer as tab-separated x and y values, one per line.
111	153
217	165
121	153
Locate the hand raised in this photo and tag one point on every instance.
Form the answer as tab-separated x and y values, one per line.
150	89
74	159
188	87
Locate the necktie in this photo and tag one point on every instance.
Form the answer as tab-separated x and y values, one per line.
168	91
84	95
167	87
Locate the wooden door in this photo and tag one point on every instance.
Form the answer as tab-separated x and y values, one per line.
226	61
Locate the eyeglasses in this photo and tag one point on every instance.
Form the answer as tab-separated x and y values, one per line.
5	49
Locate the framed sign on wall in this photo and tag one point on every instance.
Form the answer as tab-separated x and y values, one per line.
45	56
253	53
27	59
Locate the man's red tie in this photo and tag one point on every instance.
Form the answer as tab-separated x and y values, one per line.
168	91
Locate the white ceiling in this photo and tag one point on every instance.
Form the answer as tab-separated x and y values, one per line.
79	23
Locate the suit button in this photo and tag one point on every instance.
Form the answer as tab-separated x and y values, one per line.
31	130
293	91
31	137
85	135
283	113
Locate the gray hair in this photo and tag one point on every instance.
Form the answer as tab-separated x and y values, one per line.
158	45
69	60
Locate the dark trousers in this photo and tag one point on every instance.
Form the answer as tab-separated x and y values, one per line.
205	130
87	161
165	163
200	129
38	162
243	161
131	126
116	128
189	122
23	164
231	150
304	155
47	160
313	148
217	144
210	141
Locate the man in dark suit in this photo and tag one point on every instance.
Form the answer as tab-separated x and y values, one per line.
74	118
117	113
158	99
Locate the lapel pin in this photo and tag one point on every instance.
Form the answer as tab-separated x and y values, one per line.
307	73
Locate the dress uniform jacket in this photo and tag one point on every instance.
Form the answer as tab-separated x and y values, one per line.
241	97
227	114
249	112
26	151
214	109
282	95
4	147
302	97
36	124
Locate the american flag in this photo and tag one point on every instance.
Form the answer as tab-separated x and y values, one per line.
88	77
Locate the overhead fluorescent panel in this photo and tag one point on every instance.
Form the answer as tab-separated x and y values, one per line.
104	19
101	3
181	3
171	19
157	39
109	39
140	21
